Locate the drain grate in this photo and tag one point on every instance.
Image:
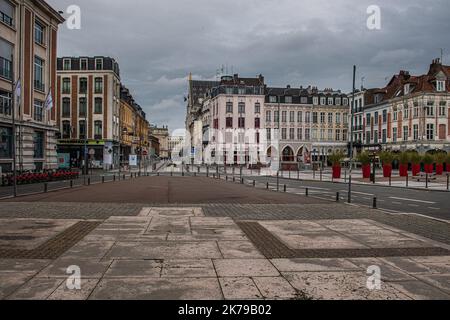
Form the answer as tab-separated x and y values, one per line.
273	248
55	247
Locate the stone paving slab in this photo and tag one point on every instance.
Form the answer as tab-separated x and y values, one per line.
178	253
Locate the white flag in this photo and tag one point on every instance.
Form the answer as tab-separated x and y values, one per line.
18	91
49	101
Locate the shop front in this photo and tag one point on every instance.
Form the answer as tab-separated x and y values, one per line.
99	153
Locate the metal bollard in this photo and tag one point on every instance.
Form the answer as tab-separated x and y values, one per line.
374	205
234	179
267	186
114	178
390	181
242	180
45	187
307	192
254	183
338	197
426	183
89	181
71	184
448	182
407	181
103	179
124	177
284	188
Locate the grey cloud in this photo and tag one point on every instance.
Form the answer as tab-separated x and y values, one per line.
297	42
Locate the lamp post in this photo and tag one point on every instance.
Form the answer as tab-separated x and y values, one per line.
351	137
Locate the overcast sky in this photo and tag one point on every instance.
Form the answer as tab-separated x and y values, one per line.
297	42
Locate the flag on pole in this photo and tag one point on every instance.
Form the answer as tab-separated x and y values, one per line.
49	101
18	91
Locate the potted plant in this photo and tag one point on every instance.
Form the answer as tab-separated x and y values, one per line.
386	158
415	159
447	161
336	158
440	158
428	161
364	159
403	160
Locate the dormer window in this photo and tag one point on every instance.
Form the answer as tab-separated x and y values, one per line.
407	88
440	86
288	99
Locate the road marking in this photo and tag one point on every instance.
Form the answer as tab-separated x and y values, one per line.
431	208
361	193
413	200
316	188
413	205
397	203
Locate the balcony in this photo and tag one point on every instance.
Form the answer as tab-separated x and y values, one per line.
39	85
5	68
6	19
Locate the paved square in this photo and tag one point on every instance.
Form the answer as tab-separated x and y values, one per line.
178	253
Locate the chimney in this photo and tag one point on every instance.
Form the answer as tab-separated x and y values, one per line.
288	86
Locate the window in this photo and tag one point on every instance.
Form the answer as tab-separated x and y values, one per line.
82	129
368	137
39	74
67	64
272	99
406	112
39	33
284	116
429	109
82	108
316	100
66	86
38	114
307	117
5	103
83	64
330	118
98	106
375	136
384	116
394	134
99	64
345	116
405	133
315	120
66	130
257	123
416	112
288	99
442	112
292	116
395	116
98	85
241	123
300	117
330	101
345	100
98	130
307	134
229	107
38	140
322	117
304	100
257	108
338	135
300	134
338	101
276	116
323	101
66	107
269	134
284	134
83	85
241	107
6	13
368	118
6	143
430	131
440	86
376	118
338	118
291	134
268	116
330	134
416	132
6	51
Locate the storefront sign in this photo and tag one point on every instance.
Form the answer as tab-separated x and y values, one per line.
81	142
133	160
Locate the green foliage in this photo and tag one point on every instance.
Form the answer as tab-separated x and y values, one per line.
427	158
404	157
364	158
336	157
415	157
387	157
440	157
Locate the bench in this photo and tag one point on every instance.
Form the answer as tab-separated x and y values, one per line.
423	176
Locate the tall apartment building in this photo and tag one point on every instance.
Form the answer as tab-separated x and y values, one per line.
28	46
88	104
235	112
410	112
134	127
306	124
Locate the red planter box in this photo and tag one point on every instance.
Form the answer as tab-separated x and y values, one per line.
448	167
337	170
387	170
429	168
366	171
439	169
403	170
415	169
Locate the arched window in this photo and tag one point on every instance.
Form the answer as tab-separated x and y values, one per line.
288	155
